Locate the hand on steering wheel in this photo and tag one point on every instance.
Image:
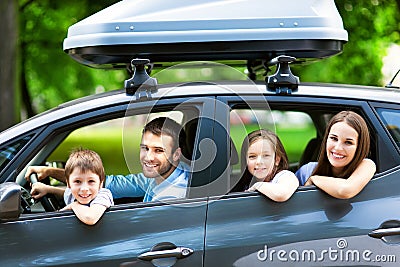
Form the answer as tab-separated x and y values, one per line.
47	201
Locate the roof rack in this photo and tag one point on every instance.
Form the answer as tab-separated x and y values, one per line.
141	84
283	81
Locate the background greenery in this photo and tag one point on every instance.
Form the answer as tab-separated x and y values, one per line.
48	76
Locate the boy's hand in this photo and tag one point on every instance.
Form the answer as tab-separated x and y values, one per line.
39	190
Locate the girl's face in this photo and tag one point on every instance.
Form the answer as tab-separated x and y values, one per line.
84	185
341	145
261	159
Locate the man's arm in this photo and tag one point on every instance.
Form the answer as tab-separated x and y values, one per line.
44	172
132	185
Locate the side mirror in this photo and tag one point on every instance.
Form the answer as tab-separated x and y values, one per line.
10	201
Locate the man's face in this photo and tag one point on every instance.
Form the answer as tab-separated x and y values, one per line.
157	156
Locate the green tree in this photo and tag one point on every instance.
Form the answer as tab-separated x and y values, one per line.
9	113
49	76
372	26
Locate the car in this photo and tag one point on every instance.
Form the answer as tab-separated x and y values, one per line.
216	224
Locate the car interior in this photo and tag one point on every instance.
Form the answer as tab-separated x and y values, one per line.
56	151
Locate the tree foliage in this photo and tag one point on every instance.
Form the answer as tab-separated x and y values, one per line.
372	25
50	77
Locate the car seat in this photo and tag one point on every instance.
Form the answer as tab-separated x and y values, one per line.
311	151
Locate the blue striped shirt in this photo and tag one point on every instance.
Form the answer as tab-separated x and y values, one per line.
138	185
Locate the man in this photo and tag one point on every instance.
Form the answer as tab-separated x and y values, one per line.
163	175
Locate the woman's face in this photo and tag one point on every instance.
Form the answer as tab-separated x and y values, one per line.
341	145
261	159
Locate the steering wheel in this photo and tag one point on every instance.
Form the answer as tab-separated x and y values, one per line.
49	201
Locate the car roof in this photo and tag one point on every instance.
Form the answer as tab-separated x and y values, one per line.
175	30
212	88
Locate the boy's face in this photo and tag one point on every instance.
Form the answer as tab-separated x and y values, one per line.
84	185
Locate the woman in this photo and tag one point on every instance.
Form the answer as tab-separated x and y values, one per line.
343	168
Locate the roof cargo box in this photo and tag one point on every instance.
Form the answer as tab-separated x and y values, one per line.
186	30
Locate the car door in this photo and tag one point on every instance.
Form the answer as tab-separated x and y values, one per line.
121	238
167	233
311	228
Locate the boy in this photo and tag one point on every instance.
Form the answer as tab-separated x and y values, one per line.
84	194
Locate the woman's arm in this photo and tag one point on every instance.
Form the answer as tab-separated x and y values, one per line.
280	191
88	215
346	188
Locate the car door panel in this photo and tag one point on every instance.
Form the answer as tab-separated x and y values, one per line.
310	221
119	237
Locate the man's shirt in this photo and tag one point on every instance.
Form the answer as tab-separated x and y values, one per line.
138	185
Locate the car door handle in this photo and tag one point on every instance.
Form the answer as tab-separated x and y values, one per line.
379	233
178	252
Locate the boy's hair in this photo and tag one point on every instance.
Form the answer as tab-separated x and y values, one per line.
167	126
86	160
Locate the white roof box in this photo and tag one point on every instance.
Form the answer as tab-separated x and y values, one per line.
185	30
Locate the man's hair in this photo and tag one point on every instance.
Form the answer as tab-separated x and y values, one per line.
167	126
85	160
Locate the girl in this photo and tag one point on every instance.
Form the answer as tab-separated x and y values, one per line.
343	169
265	164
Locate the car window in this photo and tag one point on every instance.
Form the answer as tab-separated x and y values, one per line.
391	119
8	152
116	141
294	128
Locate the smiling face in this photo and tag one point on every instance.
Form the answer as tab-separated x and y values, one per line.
261	159
84	185
341	145
157	157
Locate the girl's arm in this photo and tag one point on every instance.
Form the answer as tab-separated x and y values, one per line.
346	188
88	215
280	191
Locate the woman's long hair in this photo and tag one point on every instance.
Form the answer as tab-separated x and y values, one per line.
363	144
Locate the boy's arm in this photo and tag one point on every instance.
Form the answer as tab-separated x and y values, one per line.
88	215
39	190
